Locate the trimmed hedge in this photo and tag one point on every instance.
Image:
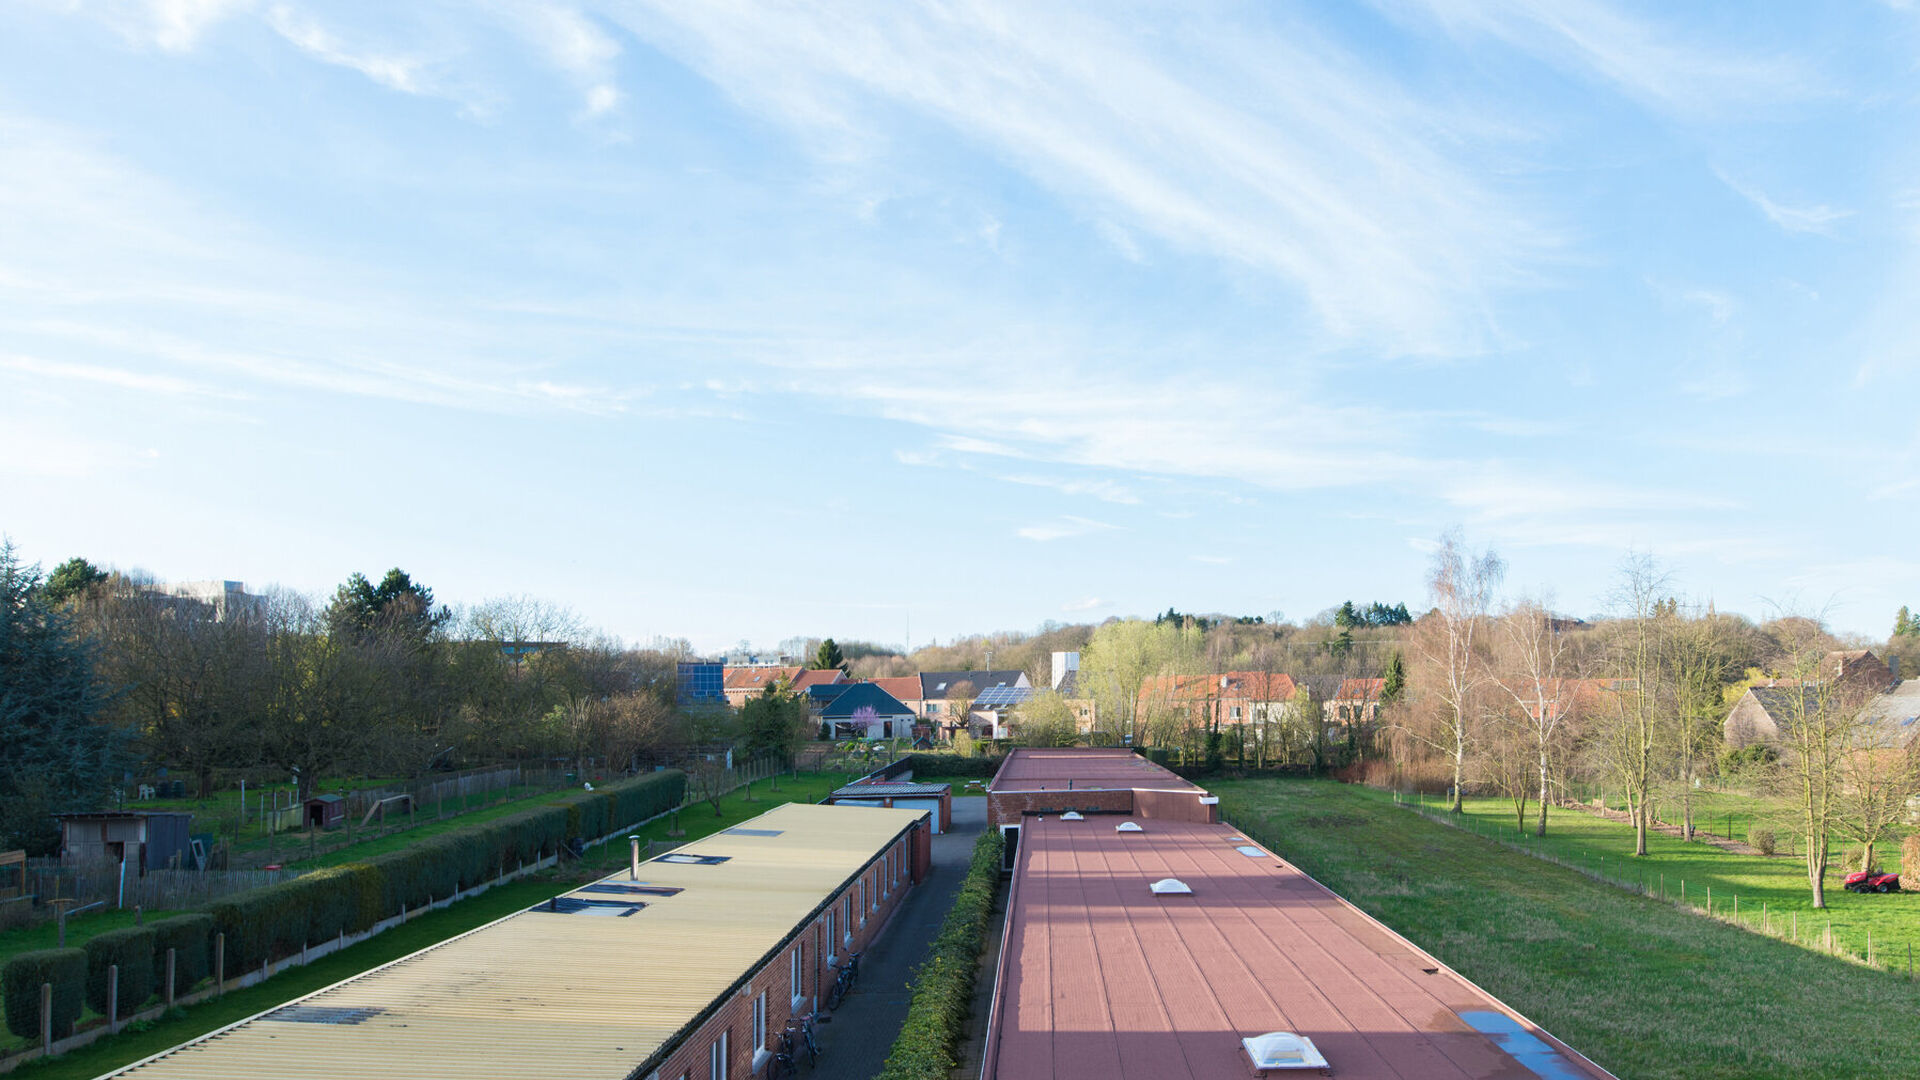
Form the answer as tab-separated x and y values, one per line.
945	765
190	936
943	985
20	983
278	920
132	950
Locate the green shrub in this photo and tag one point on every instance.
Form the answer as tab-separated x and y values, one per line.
278	920
943	985
190	936
132	950
1762	840
20	983
933	766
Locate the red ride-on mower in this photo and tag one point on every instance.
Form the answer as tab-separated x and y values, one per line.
1873	881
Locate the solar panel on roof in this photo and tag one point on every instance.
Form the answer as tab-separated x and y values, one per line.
1004	695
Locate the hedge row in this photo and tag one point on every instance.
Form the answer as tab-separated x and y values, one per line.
943	985
20	983
279	920
928	766
132	951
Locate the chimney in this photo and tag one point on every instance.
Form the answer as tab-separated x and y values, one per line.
1064	662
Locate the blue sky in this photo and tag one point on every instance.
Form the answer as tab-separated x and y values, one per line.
739	321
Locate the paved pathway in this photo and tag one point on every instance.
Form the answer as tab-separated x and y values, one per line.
855	1043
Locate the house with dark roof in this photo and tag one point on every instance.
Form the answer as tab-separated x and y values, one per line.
865	711
1763	712
940	692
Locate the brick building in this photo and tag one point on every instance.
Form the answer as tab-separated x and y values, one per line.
688	970
1042	781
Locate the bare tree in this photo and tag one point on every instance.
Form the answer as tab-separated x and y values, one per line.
1537	665
1824	721
1698	663
1878	776
1628	726
1461	584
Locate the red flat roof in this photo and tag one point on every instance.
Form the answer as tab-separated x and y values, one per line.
1081	769
1103	979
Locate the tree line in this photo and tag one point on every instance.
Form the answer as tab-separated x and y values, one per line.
102	675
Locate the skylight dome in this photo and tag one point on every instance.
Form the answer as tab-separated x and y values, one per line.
1128	826
1283	1050
1171	887
1072	815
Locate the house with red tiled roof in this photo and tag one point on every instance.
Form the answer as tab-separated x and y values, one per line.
813	677
1357	700
742	683
1232	698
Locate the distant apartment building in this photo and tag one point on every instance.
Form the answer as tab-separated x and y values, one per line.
228	599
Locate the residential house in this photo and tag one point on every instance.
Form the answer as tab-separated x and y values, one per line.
865	711
1356	700
744	683
1065	673
1231	699
936	699
1764	711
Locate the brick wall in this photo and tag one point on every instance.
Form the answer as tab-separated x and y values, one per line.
882	885
1173	806
1005	807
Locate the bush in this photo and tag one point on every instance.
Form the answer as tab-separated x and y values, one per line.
132	950
952	765
1763	841
943	985
20	983
278	920
190	937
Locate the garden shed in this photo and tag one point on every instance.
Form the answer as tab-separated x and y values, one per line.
148	839
326	812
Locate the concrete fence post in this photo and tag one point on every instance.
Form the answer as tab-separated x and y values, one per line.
220	963
113	997
170	969
46	1017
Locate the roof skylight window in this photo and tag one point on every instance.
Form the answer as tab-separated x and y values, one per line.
684	859
1283	1050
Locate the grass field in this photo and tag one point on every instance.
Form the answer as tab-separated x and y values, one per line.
1771	892
697	820
1643	987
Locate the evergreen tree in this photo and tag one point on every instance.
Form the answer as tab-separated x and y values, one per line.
828	657
57	757
71	578
1394	685
397	605
1347	617
1904	624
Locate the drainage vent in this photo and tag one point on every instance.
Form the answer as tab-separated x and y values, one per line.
324	1014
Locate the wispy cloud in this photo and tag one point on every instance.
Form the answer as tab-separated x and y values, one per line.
306	33
1273	149
1091	603
1063	528
1212	560
1104	490
1648	61
145	382
1795	219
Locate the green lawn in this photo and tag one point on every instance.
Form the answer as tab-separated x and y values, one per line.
418	933
1771	892
1643	987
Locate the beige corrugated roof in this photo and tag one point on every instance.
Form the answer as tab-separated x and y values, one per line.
543	995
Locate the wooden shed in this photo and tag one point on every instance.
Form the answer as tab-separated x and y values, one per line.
326	812
148	839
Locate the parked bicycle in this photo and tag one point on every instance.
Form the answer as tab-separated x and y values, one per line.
782	1066
802	1027
843	981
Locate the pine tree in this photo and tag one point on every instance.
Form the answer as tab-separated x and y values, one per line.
57	757
1395	682
1904	624
828	657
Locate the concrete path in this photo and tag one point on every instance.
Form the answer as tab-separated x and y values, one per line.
855	1043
